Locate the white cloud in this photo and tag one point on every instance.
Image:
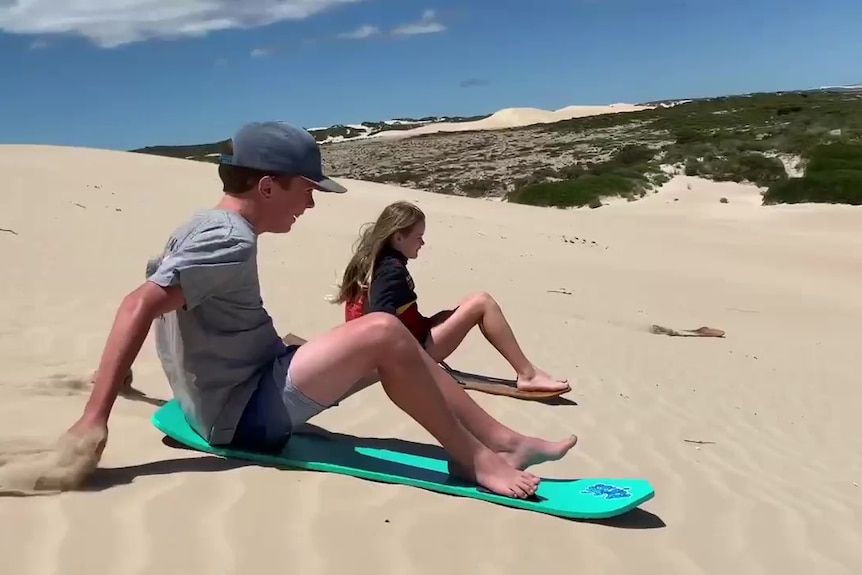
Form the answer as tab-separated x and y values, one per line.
260	52
110	23
360	33
428	24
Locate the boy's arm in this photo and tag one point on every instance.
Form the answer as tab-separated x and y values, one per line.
191	271
131	326
82	445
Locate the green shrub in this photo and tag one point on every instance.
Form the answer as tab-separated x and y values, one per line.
833	175
578	192
399	177
747	166
753	146
837	187
659	178
836	156
633	155
570	172
760	169
693	167
478	188
630	173
691	151
687	135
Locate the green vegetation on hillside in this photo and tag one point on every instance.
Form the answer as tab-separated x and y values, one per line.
199	152
734	138
210	152
801	146
626	174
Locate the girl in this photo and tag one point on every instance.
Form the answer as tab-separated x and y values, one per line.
376	279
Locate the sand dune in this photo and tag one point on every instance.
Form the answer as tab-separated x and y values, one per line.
513	118
775	488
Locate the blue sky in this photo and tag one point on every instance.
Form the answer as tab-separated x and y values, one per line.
127	73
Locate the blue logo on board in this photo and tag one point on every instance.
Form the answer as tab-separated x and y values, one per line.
607	491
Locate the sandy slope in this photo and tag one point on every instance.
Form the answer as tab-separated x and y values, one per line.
777	491
513	118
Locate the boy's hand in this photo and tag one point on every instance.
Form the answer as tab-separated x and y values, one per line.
73	460
87	433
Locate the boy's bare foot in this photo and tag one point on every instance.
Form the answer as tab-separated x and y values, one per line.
494	473
541	381
529	451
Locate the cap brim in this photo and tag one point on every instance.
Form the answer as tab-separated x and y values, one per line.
324	184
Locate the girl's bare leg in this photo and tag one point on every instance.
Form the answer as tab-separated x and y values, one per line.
481	310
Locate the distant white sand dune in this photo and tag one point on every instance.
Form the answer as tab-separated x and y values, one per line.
515	117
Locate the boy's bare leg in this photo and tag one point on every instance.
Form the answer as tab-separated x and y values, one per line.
366	381
328	366
481	310
519	450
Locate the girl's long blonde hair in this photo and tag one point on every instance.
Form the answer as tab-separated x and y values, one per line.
396	217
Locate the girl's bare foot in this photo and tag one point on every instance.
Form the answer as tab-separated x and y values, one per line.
493	472
541	381
529	451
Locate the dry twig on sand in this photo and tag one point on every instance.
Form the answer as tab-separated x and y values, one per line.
703	331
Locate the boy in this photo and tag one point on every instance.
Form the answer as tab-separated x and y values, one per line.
237	381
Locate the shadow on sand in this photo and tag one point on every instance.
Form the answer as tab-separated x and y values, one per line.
132	394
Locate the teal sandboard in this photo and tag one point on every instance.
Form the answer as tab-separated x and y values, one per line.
592	498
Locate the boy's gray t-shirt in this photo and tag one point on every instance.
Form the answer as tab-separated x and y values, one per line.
218	346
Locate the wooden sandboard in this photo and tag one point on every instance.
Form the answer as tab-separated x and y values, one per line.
498	386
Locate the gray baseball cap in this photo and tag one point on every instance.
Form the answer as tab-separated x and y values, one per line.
280	149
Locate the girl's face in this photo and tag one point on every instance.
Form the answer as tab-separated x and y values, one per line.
410	243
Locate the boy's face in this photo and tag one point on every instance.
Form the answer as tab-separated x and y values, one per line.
285	200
